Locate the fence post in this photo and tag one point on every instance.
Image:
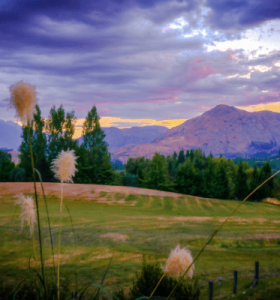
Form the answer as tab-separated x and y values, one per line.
257	272
210	290
234	282
220	282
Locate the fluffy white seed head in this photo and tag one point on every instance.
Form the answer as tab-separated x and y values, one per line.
23	98
178	262
64	166
28	212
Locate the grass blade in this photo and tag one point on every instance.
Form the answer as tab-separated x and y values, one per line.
73	230
95	297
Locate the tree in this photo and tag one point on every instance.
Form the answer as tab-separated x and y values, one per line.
209	178
199	159
137	167
221	185
157	175
181	157
187	179
172	167
24	156
54	126
266	190
241	189
39	148
6	166
255	182
61	129
98	166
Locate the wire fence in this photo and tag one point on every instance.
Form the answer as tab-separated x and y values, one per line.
236	276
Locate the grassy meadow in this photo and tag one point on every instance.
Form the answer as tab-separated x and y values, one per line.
128	226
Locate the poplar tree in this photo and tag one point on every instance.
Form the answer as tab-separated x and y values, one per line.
98	166
61	129
39	147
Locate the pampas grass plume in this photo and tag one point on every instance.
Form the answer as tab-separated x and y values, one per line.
28	212
64	166
23	98
178	262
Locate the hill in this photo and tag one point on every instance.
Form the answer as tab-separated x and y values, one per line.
222	130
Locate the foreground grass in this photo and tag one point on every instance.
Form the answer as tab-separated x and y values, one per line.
130	226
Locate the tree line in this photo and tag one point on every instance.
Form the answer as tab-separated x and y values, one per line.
189	172
52	135
193	173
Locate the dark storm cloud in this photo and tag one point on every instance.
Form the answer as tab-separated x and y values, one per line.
241	14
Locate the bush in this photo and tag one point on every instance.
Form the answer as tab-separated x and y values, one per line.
147	280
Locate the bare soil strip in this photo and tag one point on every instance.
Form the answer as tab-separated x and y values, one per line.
89	191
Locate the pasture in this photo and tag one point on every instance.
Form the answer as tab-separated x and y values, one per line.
127	223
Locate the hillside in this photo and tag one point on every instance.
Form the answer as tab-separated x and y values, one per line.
222	130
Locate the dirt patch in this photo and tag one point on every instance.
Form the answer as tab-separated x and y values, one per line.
193	219
272	201
243	220
272	236
77	190
115	236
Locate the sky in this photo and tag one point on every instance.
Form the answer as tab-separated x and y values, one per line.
141	62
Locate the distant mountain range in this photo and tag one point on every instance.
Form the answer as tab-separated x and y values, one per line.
10	133
116	137
222	130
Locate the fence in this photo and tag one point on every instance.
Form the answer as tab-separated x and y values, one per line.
255	282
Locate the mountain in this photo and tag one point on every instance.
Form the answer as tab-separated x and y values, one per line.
10	135
116	137
222	130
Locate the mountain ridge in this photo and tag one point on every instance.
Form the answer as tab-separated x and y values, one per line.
224	130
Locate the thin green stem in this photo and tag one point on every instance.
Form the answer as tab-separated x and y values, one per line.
59	239
48	218
216	231
37	206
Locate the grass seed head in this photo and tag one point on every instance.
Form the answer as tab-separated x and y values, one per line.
23	98
178	262
64	166
28	212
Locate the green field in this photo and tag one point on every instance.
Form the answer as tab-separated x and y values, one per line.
130	226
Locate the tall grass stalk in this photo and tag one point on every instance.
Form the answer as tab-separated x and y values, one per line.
40	178
38	215
64	168
59	240
215	232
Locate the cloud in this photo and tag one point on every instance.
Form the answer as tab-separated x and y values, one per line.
139	59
